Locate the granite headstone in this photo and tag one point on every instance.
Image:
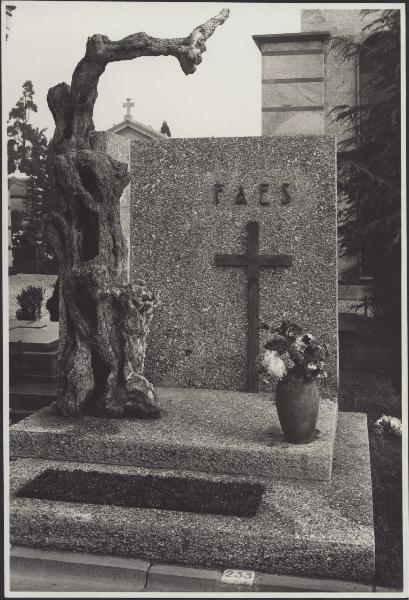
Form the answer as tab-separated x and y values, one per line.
232	231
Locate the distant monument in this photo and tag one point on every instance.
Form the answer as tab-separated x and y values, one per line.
131	129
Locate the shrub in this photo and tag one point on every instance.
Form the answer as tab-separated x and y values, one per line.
30	301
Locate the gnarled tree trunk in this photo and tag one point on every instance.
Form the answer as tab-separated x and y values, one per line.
107	319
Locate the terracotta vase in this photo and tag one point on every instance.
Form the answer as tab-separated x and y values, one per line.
297	403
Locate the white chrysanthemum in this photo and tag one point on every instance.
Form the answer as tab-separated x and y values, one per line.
299	344
312	367
289	364
389	425
273	364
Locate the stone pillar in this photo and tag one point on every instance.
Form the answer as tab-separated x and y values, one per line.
293	83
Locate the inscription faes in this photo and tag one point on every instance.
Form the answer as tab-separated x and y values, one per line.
263	190
241	196
264	195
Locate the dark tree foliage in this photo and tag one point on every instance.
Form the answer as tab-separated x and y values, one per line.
369	159
27	150
27	145
165	129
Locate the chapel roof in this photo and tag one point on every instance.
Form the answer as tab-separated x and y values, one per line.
133	129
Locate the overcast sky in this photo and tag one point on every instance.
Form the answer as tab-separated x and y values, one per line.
223	97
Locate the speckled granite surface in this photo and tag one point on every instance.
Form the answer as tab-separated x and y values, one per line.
199	334
215	431
301	528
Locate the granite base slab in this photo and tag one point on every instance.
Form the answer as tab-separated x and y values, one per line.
199	430
37	363
27	324
34	570
302	528
35	336
174	578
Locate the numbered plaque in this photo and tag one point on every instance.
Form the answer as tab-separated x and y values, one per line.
236	577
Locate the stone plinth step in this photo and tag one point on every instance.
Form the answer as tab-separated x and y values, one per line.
300	528
38	336
215	431
36	363
33	346
26	324
41	571
174	578
31	396
32	569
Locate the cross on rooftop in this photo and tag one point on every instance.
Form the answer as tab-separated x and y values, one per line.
128	105
253	261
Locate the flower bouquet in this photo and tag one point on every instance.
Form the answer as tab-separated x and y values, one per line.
296	361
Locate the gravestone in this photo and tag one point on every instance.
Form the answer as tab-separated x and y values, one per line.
266	205
232	232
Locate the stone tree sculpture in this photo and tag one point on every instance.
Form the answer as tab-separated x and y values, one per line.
106	319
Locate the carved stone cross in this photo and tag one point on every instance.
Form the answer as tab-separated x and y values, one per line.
253	261
128	105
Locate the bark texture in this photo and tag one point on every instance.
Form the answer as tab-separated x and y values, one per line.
107	319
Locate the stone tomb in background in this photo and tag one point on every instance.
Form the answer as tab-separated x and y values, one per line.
211	220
